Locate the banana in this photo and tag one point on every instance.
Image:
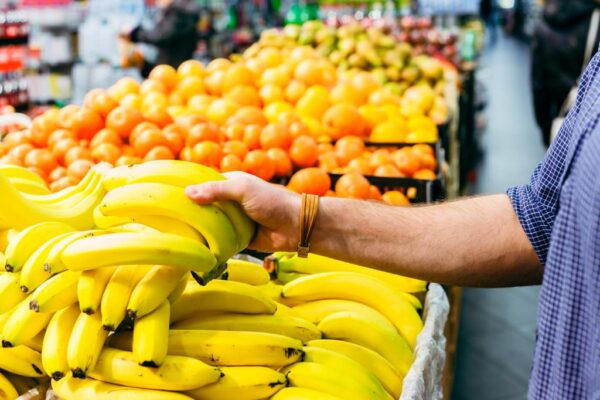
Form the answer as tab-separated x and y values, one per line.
221	296
181	174
10	291
56	341
91	286
7	390
16	172
140	199
179	289
54	262
29	240
296	393
315	311
130	248
389	377
362	289
58	292
349	367
246	272
290	262
227	348
26	186
20	212
113	306
2	262
21	360
24	384
296	328
170	225
412	299
272	290
287	277
156	286
36	342
176	373
89	389
151	337
23	324
242	383
68	197
85	344
324	378
7	236
34	271
355	328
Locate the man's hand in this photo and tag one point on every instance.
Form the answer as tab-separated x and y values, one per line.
275	210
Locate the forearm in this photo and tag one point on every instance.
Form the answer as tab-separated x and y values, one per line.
471	242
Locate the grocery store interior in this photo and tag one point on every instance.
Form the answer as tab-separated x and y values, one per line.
109	108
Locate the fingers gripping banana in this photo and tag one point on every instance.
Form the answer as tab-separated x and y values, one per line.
296	393
246	272
7	390
85	344
176	373
21	360
151	337
58	292
29	240
156	286
115	298
135	248
89	389
10	291
242	383
91	286
23	324
56	341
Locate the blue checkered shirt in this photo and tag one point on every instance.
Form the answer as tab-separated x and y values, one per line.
560	213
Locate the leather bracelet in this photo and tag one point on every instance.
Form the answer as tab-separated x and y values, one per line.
308	217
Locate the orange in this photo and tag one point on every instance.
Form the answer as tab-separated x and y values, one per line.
365	83
175	135
101	102
128	150
388	170
188	121
346	93
278	76
237	75
381	97
207	153
406	161
158	115
128	160
166	75
270	56
234	131
8	159
123	120
311	181
283	164
275	135
252	134
42	159
4	149
274	110
348	148
60	149
325	147
154	99
203	132
106	136
301	53
214	83
42	127
256	66
139	128
199	103
258	163
191	68
66	117
79	168
236	147
294	91
220	110
353	185
108	152
360	165
231	162
380	157
328	162
159	153
57	173
122	88
426	174
395	198
422	148
343	120
77	153
20	151
218	64
298	128
427	161
309	72
186	154
189	87
176	102
39	172
58	135
244	95
132	100
148	139
15	138
271	93
314	103
374	193
87	123
151	86
249	115
63	183
304	152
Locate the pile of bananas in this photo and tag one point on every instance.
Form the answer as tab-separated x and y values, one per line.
122	288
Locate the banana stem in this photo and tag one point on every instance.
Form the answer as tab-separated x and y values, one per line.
214	273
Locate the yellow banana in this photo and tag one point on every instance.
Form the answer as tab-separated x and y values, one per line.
17	172
24	384
156	286
89	389
140	199
56	341
29	240
130	248
21	360
7	236
296	393
10	291
23	324
58	292
242	383
324	378
113	306
68	197
170	225
85	344
151	337
355	328
345	365
91	286
290	262
54	264
297	328
222	296
246	272
412	299
179	289
362	289
7	390
176	373
36	342
2	262
182	174
272	290
287	277
389	377
26	186
315	311
227	348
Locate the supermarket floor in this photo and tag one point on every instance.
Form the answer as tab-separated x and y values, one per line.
497	328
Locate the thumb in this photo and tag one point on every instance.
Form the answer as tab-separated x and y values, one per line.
215	191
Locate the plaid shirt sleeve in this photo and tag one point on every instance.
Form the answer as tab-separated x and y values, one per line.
536	204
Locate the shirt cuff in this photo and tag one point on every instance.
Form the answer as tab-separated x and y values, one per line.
528	209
